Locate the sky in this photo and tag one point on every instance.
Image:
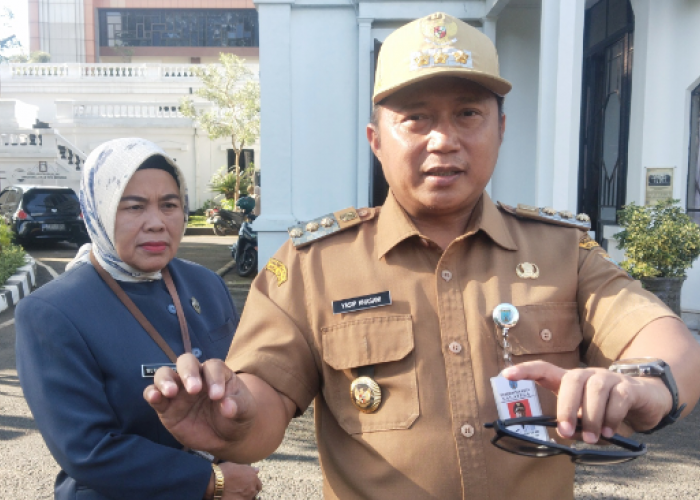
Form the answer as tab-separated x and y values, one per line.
20	23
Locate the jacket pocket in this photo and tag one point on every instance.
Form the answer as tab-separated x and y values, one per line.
385	343
227	329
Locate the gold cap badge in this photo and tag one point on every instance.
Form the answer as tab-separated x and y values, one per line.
365	394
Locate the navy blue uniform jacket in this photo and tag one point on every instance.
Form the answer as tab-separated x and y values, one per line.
79	357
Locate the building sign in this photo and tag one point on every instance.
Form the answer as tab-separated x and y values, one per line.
40	172
659	185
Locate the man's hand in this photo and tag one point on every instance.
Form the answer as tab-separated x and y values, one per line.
602	399
204	406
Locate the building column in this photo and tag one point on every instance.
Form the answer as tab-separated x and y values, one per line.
489	28
364	105
276	127
558	120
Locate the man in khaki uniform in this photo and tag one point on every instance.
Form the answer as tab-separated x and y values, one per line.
384	316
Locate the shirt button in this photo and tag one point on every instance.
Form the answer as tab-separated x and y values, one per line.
467	430
171	309
546	335
446	275
455	347
197	352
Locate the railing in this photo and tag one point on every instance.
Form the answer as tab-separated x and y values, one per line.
42	142
92	71
20	139
38	70
68	152
88	110
113	71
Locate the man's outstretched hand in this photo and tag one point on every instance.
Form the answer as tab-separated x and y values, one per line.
205	406
601	398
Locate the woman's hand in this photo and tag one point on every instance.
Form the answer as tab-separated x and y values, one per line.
204	406
241	482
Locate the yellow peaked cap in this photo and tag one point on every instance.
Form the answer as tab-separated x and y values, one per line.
437	45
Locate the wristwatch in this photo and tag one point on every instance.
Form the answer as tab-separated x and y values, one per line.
652	367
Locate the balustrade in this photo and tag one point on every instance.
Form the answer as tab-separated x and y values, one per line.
126	110
90	71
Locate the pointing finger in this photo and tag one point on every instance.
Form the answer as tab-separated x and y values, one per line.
545	374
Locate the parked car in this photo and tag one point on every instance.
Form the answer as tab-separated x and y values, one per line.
36	213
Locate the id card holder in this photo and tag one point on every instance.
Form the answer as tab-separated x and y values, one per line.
516	399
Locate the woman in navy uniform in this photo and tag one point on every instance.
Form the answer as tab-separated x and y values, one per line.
84	357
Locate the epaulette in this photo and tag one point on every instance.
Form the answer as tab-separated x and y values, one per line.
549	215
304	233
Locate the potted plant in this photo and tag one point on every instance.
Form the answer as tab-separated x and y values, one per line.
223	182
660	243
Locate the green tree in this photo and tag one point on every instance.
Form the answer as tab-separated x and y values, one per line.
236	97
7	41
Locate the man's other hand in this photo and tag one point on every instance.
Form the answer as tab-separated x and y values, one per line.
205	406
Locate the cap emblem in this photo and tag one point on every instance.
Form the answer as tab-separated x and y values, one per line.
438	32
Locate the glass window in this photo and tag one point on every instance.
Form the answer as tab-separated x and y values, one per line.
43	201
694	157
178	28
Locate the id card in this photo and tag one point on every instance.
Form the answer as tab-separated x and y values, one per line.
519	399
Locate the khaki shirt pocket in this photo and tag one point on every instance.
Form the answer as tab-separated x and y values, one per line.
387	344
549	332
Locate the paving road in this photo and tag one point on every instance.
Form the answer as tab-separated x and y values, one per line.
27	470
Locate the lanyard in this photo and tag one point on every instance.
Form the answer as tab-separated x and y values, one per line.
134	310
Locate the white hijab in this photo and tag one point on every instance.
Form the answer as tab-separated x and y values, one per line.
107	171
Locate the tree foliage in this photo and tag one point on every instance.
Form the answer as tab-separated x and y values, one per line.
7	40
230	87
659	240
35	57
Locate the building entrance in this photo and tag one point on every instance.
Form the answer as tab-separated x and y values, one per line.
607	85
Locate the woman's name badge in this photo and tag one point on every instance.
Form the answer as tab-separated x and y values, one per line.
515	399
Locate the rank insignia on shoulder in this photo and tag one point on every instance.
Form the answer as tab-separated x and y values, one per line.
587	242
278	269
550	215
304	233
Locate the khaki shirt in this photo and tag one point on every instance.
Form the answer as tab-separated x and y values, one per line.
434	348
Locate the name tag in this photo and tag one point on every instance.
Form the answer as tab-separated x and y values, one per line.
363	302
149	371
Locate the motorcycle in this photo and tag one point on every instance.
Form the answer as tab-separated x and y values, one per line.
226	222
245	251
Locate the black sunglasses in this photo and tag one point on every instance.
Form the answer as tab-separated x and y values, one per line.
520	444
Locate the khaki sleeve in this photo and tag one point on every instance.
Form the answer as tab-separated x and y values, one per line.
271	340
613	307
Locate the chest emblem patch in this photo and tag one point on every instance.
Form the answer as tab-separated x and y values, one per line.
365	394
278	269
527	271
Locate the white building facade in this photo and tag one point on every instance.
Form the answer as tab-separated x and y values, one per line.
603	90
86	104
119	68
